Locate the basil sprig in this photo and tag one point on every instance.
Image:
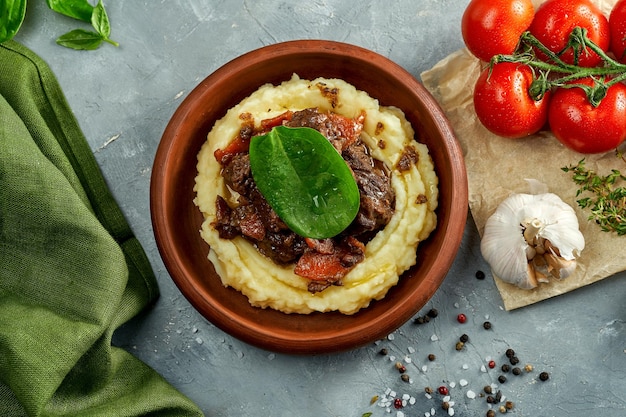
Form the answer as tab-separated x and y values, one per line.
305	180
12	13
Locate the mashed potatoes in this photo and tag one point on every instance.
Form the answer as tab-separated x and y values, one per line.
391	252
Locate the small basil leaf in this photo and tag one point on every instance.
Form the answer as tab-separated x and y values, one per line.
100	20
80	39
76	9
305	180
12	14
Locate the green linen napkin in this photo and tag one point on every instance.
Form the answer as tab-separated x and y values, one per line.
71	270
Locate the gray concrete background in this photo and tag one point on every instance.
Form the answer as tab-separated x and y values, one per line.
123	98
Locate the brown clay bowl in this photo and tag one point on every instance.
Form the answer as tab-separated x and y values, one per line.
176	220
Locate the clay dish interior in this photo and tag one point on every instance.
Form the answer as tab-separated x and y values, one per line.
176	220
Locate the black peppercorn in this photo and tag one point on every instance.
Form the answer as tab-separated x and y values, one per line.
505	368
432	313
510	353
480	274
432	357
498	396
517	371
464	338
490	399
502	379
487	325
383	351
405	378
514	360
488	389
544	376
419	320
491	413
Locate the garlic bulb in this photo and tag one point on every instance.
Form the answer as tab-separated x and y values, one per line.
531	237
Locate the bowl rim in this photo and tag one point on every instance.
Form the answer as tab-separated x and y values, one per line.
245	327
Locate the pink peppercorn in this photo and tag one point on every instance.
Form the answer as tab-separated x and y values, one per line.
443	390
397	403
492	364
461	318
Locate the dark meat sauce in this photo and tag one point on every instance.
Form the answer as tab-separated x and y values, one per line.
324	262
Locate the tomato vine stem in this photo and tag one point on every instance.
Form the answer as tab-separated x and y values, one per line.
554	72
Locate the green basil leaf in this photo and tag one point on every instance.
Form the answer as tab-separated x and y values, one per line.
81	39
76	9
100	20
305	180
12	14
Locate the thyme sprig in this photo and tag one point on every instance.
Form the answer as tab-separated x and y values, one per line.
607	202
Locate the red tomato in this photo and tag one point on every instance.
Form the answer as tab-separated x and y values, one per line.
617	24
585	128
492	27
554	21
503	104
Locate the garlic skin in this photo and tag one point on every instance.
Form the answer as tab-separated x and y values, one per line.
531	237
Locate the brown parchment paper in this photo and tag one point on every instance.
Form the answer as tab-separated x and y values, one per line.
498	167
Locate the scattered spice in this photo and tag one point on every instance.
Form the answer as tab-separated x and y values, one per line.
432	357
400	367
502	379
443	390
461	318
492	364
459	345
432	313
464	338
505	368
509	353
480	275
397	403
383	351
488	389
514	360
517	371
528	367
405	378
509	405
544	376
487	325
491	413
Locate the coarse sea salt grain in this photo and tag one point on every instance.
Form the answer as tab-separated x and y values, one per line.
399	414
463	382
450	411
465	366
411	349
471	394
434	338
483	369
452	384
407	359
